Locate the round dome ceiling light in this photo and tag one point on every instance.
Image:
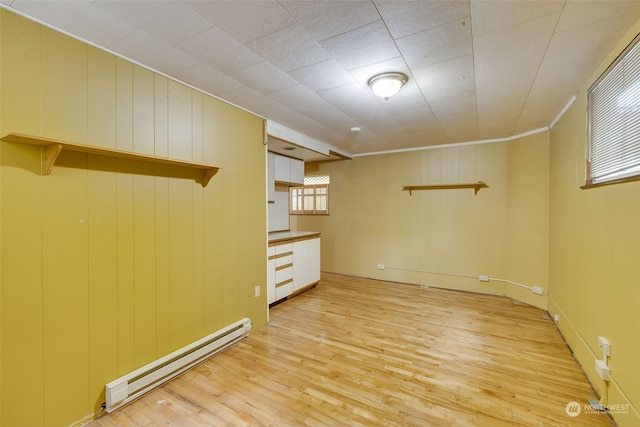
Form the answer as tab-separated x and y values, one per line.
386	85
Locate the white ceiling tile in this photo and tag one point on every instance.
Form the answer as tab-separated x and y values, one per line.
500	81
310	104
576	15
492	15
353	100
289	48
405	18
81	19
443	43
245	20
264	77
248	98
527	41
153	53
324	19
291	117
208	79
295	95
361	47
217	49
448	80
170	21
323	75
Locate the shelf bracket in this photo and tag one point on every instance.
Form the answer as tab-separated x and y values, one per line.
207	174
50	154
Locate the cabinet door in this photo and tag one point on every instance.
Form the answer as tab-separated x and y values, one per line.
271	176
296	171
271	275
313	260
299	264
282	170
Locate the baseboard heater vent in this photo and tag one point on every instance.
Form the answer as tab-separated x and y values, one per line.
127	388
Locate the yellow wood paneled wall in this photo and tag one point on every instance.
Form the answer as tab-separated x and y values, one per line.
444	238
108	264
594	253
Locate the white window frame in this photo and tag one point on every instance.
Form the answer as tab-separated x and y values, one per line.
613	141
313	192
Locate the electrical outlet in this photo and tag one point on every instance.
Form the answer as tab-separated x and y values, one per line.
257	291
537	290
380	266
483	278
602	370
604	345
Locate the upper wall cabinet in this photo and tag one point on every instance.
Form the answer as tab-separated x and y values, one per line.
288	170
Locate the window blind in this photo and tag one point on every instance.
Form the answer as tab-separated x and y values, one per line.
614	120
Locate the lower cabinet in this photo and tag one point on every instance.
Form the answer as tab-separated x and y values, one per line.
292	266
306	263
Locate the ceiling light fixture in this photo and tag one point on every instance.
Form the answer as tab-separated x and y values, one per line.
386	85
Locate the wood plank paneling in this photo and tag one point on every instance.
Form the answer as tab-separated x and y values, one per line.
21	279
124	105
21	83
107	264
161	126
101	106
181	262
143	110
103	266
63	102
362	352
125	311
144	269
180	122
64	290
163	288
212	131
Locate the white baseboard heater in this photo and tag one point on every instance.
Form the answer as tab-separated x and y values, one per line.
128	387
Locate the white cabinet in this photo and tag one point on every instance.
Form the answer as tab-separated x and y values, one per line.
297	171
306	262
292	265
280	271
271	274
271	177
288	170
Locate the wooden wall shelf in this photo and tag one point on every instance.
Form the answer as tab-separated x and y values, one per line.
51	148
475	185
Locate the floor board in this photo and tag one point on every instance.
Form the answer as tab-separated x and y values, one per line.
361	352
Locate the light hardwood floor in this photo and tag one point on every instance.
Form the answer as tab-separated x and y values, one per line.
359	352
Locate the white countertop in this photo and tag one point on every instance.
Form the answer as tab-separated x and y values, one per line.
288	235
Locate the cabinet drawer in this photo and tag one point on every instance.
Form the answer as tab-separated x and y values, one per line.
283	259
283	247
284	274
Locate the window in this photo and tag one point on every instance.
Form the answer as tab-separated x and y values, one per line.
613	153
312	198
